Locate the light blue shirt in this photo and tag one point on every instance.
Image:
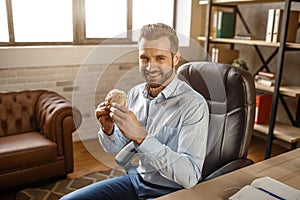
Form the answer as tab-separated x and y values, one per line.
173	152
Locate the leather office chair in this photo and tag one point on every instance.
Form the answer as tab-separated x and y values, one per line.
230	94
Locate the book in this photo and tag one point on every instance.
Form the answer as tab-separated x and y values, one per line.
267	74
264	80
226	24
262	107
226	56
292	25
214	27
270	25
266	188
214	57
244	37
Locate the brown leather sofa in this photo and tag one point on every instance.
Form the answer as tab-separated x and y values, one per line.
35	137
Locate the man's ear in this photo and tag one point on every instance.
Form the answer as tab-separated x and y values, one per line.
176	59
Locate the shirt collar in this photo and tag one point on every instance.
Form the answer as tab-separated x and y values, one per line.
169	90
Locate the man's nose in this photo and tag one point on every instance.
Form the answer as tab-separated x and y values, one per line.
150	65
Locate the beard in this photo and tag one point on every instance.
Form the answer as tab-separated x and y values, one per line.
159	82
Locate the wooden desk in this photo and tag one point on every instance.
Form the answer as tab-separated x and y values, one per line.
284	168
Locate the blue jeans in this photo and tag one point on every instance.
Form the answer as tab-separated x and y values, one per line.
127	187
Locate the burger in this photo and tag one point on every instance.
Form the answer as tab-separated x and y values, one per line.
117	96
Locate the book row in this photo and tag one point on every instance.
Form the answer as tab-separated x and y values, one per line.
223	25
274	23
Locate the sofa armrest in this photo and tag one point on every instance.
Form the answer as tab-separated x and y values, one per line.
232	166
57	120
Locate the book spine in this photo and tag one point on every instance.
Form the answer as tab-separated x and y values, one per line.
262	110
215	24
270	23
213	54
277	25
219	24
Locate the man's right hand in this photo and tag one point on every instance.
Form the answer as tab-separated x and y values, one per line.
102	114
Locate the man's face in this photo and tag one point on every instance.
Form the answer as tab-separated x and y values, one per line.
155	61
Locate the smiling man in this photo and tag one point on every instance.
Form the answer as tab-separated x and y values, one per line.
166	120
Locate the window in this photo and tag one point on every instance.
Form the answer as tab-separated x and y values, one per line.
151	11
3	23
40	22
115	15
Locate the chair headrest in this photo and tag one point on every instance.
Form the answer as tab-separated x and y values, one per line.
223	86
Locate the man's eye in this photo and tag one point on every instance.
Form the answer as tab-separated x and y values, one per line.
144	60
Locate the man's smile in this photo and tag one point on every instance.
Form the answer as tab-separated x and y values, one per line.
153	75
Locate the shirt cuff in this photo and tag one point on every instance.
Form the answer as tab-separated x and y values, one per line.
150	146
106	138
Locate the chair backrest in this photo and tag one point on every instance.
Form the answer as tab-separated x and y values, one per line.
230	94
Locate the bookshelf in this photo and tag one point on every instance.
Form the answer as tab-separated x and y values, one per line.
273	130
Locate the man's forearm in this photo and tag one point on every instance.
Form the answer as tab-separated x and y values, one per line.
112	143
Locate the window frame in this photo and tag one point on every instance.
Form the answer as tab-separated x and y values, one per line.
79	30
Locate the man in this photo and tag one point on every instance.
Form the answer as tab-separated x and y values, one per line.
166	120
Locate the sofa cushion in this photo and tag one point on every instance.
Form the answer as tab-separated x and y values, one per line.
18	112
24	150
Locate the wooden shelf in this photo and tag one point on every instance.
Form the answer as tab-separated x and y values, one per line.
285	132
248	42
235	2
293	45
288	90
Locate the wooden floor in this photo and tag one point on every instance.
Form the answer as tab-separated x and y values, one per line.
89	157
256	150
84	160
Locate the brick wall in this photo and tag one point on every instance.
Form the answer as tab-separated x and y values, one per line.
88	83
55	78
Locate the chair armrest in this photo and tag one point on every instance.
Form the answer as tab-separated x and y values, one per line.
57	120
125	156
232	166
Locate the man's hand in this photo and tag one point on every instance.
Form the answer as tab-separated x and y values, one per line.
102	114
127	123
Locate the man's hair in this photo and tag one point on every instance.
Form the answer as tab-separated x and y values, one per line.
156	31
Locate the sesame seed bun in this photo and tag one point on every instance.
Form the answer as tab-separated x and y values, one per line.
117	96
